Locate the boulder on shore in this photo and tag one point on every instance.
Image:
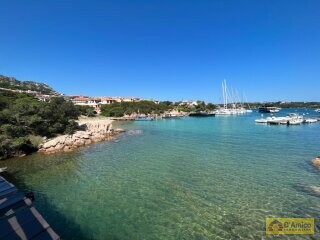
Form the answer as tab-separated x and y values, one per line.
93	130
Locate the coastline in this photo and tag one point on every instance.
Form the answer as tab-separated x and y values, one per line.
92	130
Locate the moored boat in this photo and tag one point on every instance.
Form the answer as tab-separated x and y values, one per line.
202	114
295	119
231	111
263	120
291	119
278	120
310	120
172	116
144	119
231	103
269	109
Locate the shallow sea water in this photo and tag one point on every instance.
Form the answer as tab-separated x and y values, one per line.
192	178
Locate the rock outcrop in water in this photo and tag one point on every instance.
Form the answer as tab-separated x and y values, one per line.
94	130
311	190
316	162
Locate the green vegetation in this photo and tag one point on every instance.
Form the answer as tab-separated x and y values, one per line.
297	104
285	104
25	120
86	110
128	108
150	107
200	107
12	83
203	107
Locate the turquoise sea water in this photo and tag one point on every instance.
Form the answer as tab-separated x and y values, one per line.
194	178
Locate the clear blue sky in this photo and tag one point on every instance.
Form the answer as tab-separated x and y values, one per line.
269	49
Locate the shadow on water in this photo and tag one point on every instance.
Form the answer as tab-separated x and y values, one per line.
64	226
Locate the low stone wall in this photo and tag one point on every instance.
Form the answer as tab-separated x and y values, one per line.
94	130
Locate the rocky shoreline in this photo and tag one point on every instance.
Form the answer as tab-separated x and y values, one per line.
93	130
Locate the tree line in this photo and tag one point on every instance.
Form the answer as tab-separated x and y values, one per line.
284	104
150	107
25	121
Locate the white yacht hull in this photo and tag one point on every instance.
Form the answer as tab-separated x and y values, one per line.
311	120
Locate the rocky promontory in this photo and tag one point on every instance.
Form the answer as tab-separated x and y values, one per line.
92	131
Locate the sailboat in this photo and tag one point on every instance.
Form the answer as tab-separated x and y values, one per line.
230	105
249	110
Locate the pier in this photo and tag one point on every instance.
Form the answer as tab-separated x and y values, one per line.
19	220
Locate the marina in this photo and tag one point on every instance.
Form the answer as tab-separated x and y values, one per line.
231	103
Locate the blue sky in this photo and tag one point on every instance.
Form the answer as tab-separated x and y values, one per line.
269	49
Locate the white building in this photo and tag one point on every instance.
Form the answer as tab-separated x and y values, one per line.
107	100
86	101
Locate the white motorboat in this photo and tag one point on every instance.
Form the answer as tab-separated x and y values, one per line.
278	120
295	119
273	120
275	110
317	110
230	111
310	120
269	109
291	119
3	169
263	120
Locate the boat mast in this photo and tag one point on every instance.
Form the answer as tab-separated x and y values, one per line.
240	101
246	100
225	94
233	98
229	96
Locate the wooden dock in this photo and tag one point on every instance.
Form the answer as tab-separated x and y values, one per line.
18	217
